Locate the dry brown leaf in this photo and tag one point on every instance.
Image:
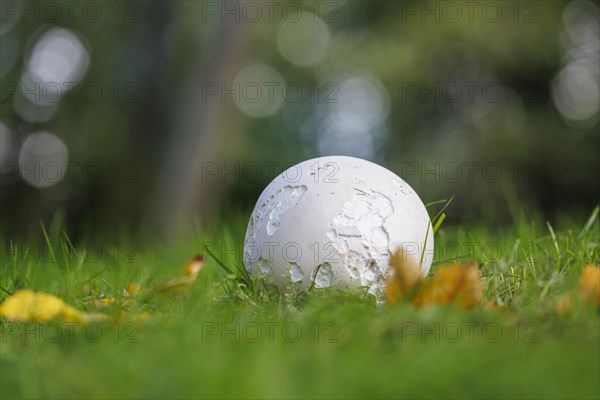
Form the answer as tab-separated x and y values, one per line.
452	283
405	279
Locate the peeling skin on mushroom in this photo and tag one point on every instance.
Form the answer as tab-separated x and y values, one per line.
278	204
322	276
296	273
360	236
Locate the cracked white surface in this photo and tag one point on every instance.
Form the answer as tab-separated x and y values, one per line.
269	213
277	205
361	238
296	273
264	266
323	277
288	197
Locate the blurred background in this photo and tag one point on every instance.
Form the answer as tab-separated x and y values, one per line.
151	115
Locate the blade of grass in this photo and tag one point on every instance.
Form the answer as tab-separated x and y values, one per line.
443	208
439	223
433	203
221	263
554	240
6	291
424	245
48	241
590	221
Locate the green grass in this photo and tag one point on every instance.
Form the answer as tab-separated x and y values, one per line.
205	342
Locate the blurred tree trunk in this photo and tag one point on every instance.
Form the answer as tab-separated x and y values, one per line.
202	131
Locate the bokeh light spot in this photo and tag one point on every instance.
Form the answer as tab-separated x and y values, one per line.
43	160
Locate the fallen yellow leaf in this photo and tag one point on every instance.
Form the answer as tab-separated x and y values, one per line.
27	305
589	284
405	279
193	266
132	289
564	304
452	283
588	293
177	285
493	306
141	317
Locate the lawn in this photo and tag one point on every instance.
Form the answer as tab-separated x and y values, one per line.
225	337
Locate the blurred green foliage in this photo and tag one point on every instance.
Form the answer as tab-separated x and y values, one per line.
493	104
